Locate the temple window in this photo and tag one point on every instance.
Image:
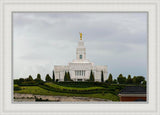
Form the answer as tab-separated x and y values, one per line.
80	56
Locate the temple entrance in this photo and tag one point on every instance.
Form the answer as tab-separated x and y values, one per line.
79	79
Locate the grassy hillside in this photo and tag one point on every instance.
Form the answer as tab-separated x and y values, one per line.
62	89
42	91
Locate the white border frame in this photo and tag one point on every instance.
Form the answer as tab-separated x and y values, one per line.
7	7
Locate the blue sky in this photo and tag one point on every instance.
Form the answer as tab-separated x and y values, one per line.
42	40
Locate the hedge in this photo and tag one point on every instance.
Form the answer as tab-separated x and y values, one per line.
82	84
30	83
58	88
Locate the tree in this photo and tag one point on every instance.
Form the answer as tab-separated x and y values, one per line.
134	80
114	81
48	78
91	77
129	79
53	77
56	80
121	79
110	78
18	81
144	82
29	78
68	77
138	79
65	76
38	79
21	80
38	76
102	78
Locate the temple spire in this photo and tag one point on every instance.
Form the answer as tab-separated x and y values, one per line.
80	36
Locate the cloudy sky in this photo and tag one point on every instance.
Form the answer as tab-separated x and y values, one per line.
42	40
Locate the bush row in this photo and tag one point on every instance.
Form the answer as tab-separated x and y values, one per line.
30	83
73	90
82	84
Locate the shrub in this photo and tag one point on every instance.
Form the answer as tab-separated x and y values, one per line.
48	78
91	79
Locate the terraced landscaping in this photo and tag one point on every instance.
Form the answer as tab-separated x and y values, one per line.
57	90
62	89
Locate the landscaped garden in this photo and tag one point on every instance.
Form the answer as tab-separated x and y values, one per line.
107	90
36	90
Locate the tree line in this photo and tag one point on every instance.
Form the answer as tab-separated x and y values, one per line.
119	80
129	80
36	81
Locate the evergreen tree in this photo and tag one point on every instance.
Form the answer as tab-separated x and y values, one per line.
68	77
53	77
134	80
129	79
65	76
110	78
29	78
121	79
91	77
48	78
115	81
102	78
38	77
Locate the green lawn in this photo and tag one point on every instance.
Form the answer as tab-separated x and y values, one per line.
40	91
34	90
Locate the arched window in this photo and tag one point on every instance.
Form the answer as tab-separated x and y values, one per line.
80	56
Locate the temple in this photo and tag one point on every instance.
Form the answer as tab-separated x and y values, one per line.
80	68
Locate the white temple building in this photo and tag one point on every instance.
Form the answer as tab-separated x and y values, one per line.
80	68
